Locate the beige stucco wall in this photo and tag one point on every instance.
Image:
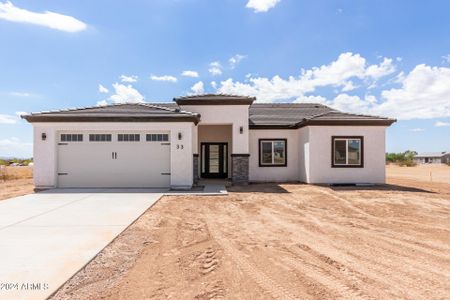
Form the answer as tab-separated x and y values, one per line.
275	174
45	152
216	133
320	155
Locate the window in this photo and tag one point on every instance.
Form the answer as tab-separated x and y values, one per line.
347	152
71	137
128	137
100	138
272	153
160	137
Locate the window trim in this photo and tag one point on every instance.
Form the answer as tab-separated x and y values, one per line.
272	140
337	137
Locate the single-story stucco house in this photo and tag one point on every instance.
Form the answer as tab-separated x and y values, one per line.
206	136
432	158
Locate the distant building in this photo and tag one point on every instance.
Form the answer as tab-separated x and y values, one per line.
432	158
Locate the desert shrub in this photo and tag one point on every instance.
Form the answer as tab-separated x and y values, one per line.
403	159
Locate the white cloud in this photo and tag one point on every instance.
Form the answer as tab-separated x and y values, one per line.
425	93
22	94
336	74
102	89
21	113
381	70
14	147
198	88
446	58
125	93
49	19
167	78
235	60
192	74
215	68
441	124
417	130
129	79
214	84
8	119
102	103
261	5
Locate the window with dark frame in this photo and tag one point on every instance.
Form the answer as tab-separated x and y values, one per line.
157	137
65	137
272	152
347	152
100	137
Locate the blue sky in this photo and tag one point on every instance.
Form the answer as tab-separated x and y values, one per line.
388	58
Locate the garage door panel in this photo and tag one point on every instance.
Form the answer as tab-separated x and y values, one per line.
93	164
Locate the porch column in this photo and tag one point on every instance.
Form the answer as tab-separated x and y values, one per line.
195	165
239	168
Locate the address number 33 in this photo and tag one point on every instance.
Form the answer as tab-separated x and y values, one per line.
180	146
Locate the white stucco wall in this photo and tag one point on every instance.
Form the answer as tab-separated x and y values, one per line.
45	152
320	155
235	115
303	151
275	174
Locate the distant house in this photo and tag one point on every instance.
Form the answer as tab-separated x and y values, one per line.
432	158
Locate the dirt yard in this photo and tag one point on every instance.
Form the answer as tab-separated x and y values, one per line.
15	181
279	242
434	178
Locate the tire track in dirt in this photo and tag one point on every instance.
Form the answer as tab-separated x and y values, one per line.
264	281
349	256
315	273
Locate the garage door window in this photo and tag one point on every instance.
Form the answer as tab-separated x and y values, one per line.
71	137
128	137
100	138
157	137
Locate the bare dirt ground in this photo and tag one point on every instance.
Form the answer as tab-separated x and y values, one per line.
15	181
279	242
434	178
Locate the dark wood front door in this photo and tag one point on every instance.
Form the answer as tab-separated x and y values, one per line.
214	160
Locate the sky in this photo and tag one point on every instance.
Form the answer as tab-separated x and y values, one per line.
386	58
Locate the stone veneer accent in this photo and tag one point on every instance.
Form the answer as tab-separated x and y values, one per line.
196	177
239	168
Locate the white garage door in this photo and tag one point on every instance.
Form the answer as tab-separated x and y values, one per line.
113	159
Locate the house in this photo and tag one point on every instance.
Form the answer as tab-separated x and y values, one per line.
432	158
206	136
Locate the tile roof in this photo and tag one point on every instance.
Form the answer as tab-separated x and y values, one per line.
114	112
261	115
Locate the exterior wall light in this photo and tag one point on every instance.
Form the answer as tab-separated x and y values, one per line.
43	136
180	136
241	129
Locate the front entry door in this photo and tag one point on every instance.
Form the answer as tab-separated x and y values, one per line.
214	160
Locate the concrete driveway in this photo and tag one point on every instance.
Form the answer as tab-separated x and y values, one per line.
46	238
